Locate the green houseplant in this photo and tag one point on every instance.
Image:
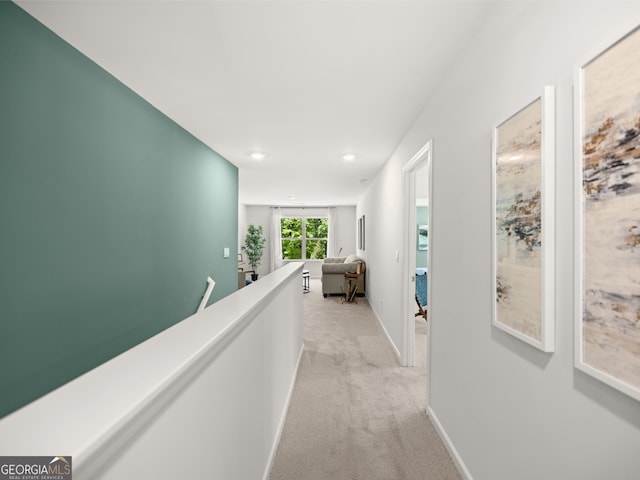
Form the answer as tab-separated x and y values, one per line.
253	246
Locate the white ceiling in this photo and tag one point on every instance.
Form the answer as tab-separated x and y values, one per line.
302	81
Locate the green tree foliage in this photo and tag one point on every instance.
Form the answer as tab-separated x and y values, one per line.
292	249
317	227
315	232
291	229
316	249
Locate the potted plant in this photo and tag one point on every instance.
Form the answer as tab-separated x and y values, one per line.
253	246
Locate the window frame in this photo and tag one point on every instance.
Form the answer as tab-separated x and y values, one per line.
303	238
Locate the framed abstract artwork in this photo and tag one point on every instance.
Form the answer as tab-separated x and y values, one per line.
523	226
423	237
607	324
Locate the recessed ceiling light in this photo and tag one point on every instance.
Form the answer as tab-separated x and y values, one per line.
349	157
362	181
292	197
258	155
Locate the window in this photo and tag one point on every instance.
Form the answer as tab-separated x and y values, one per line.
304	238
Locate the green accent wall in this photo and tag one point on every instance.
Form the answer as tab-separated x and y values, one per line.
111	215
422	218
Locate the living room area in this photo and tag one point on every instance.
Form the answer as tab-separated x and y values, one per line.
341	239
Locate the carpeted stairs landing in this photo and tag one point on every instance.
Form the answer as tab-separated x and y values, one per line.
356	414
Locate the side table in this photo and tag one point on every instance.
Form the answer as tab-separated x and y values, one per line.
351	287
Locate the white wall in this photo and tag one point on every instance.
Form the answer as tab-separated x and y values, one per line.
242	225
345	231
260	215
382	207
509	410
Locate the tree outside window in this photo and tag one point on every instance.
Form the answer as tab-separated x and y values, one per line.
304	238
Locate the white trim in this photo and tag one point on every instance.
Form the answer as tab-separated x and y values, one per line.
386	333
421	158
430	277
618	384
457	459
408	266
548	150
417	160
547	263
577	220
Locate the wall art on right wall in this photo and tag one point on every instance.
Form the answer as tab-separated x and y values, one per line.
607	330
523	233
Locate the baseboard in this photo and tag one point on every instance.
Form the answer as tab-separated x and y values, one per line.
386	333
462	468
283	417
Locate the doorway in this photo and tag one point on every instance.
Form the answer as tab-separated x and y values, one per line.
417	191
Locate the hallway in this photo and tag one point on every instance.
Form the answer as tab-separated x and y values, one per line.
355	413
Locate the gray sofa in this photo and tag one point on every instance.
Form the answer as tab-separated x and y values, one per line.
333	270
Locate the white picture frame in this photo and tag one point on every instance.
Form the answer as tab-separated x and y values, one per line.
423	237
607	209
523	240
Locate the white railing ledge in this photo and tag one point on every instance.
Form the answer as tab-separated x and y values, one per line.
97	412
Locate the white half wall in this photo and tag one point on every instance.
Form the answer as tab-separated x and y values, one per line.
508	410
205	398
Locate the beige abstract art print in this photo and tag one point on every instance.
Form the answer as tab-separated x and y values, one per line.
608	219
522	231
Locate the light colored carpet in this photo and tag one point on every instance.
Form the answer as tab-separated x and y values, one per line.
356	414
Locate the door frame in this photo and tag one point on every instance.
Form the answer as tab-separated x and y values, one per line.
422	158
